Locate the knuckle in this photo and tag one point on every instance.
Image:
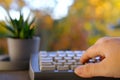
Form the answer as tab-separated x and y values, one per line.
104	40
94	48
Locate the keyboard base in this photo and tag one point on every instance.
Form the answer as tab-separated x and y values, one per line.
36	74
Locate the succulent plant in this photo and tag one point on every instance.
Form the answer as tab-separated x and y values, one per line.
18	28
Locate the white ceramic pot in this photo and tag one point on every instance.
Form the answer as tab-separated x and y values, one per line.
21	49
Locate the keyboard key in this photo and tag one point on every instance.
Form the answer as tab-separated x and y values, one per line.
43	53
47	60
77	63
72	67
78	53
46	64
61	53
67	58
72	61
63	68
70	53
76	58
61	61
58	58
47	68
52	54
57	64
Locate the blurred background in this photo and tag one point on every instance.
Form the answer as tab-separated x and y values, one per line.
66	24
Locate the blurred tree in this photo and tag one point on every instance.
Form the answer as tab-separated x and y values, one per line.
86	21
6	3
98	16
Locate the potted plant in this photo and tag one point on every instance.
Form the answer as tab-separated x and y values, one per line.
21	40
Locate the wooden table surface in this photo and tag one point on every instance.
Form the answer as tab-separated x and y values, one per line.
14	75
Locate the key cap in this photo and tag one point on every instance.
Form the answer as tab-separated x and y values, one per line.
68	63
72	67
46	64
78	53
57	64
72	61
61	61
61	53
52	54
43	53
76	58
67	58
47	60
47	68
58	58
77	63
70	53
63	68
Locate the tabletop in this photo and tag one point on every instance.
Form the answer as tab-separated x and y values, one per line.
14	75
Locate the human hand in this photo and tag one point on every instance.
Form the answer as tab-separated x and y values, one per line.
108	48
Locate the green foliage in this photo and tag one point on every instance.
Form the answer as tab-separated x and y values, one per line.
20	28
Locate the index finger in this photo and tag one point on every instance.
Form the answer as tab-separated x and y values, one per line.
91	52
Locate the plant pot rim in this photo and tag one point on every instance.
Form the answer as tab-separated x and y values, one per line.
35	37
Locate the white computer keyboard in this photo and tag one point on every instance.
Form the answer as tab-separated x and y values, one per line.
61	60
58	65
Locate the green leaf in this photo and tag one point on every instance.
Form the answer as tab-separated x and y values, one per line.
19	28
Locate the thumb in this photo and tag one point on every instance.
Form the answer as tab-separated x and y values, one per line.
90	70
